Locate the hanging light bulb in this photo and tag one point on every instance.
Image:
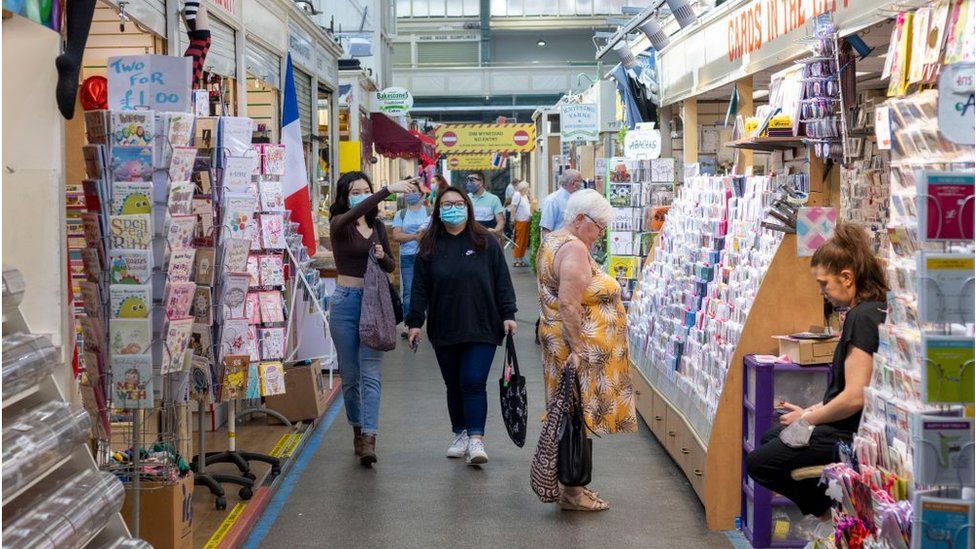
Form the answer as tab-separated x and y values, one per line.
682	12
652	29
627	58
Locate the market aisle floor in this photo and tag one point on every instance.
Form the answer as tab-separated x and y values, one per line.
416	497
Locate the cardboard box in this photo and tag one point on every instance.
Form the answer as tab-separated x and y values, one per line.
165	513
306	394
807	351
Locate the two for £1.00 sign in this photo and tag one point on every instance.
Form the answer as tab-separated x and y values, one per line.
154	82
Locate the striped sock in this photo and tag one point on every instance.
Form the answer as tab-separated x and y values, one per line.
190	8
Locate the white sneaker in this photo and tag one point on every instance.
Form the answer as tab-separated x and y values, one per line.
459	447
476	452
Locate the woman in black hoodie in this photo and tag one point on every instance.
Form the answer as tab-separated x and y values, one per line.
463	288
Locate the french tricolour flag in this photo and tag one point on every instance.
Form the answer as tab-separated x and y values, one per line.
295	182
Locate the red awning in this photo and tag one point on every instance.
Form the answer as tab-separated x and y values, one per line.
391	139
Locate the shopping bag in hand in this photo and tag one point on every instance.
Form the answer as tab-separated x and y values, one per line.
575	448
511	386
542	475
377	325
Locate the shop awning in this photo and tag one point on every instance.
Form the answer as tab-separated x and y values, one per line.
391	139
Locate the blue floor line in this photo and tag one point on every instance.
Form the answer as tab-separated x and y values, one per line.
270	515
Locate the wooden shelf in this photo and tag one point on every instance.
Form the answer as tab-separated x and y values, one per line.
767	144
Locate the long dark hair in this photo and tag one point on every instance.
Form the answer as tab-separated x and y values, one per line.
473	229
341	203
850	248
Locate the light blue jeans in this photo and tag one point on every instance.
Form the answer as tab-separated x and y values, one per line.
359	365
406	280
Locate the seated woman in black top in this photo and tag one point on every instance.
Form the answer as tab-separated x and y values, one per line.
849	276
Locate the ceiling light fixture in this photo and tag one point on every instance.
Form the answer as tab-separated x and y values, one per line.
653	31
541	43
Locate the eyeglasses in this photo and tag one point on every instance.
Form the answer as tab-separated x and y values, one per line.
599	225
453	205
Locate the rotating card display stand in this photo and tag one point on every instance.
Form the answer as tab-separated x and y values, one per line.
53	493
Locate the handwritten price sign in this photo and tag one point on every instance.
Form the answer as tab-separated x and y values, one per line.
155	82
957	107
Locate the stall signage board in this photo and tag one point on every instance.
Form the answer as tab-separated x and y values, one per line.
300	46
578	122
393	100
642	144
477	161
154	82
957	109
744	37
485	138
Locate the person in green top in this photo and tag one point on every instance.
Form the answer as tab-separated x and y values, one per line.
488	209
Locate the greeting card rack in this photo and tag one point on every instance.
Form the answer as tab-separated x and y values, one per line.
714	291
49	473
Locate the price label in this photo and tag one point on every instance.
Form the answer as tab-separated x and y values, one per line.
957	104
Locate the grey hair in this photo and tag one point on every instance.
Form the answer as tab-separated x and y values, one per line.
569	177
591	203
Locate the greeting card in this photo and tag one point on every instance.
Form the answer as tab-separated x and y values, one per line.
181	164
947	369
625	219
271	306
180	200
96	126
180	265
92	229
201	385
237	174
254	233
132	163
253	381
93	332
202	309
176	342
252	343
234	294
235	255
235	136
95	406
178	299
624	267
654	218
623	243
662	170
273	159
203	209
130	301
177	130
943	450
814	226
272	378
179	235
94	160
131	232
945	288
131	197
235	377
204	269
201	341
272	343
132	381
945	209
205	136
272	196
621	195
132	128
129	266
91	296
252	308
942	521
253	271
272	270
272	231
238	211
129	336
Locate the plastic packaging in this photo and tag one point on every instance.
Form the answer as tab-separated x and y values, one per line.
27	359
37	439
126	543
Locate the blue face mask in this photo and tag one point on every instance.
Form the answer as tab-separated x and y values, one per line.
413	199
355	199
471	186
454	216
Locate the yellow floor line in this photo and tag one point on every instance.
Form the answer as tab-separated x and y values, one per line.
276	451
225	526
286	446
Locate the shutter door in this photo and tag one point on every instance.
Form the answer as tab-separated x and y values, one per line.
303	89
447	53
263	64
222	57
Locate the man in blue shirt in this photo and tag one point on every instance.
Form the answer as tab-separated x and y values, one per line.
554	206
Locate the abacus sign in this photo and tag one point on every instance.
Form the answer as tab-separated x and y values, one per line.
485	138
153	82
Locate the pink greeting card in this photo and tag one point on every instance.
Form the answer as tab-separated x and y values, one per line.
273	159
272	197
179	298
253	270
180	265
272	343
179	236
233	338
252	308
272	231
272	270
252	343
181	163
271	306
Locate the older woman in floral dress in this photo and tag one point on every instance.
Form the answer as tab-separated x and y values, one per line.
584	324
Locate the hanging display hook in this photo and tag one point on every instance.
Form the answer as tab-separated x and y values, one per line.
123	17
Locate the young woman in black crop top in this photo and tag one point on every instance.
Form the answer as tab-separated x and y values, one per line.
355	232
849	276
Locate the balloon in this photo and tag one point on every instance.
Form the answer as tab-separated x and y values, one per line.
56	15
45	11
33	11
14	6
94	93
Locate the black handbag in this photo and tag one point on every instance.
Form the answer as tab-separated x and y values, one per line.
575	461
514	400
397	304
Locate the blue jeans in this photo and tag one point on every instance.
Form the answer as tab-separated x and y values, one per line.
465	370
359	365
406	280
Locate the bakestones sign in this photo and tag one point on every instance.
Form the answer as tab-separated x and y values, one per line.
394	100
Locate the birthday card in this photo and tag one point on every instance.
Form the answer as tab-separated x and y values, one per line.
272	343
272	270
202	309
129	266
130	232
234	294
272	378
272	231
131	197
271	306
180	265
177	341
235	377
178	299
130	301
132	381
204	269
132	163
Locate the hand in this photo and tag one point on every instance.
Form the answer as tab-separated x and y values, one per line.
378	251
403	187
797	434
795	413
413	336
510	327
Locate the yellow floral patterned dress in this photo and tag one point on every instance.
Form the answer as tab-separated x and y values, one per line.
605	382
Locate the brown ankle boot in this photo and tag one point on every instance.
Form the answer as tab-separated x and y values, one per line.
368	455
357	441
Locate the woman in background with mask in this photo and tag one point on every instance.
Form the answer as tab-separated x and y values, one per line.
437	185
409	225
356	233
463	290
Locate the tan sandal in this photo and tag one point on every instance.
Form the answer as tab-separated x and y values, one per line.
584	503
